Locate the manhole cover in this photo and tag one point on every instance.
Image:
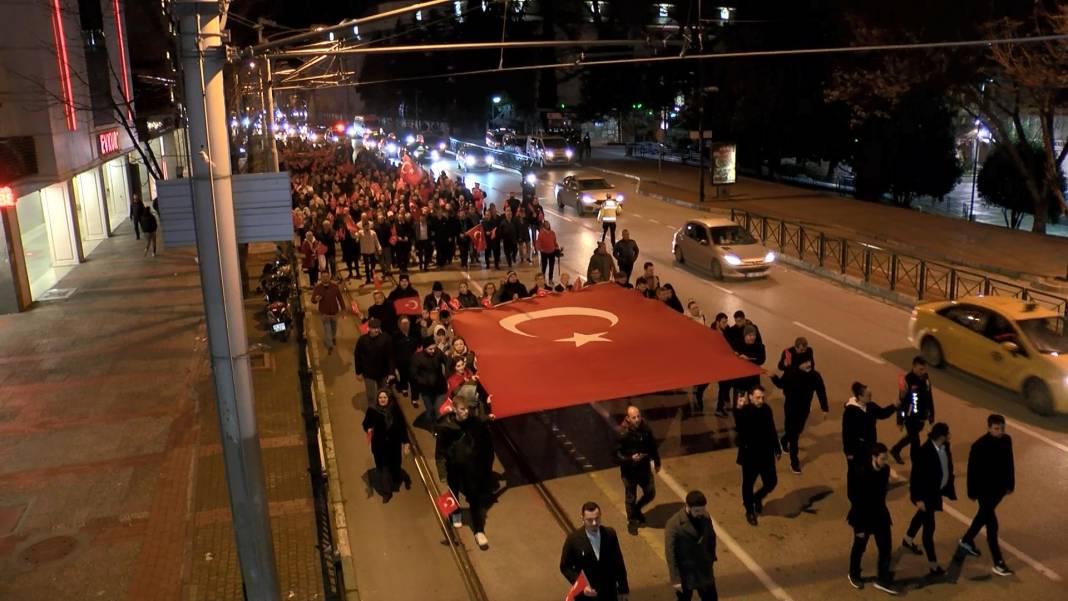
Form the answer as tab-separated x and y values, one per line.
57	294
260	360
50	549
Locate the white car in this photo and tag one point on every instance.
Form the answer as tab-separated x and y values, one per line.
722	247
585	192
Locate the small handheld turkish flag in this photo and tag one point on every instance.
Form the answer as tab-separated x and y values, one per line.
478	237
378	282
576	589
455	304
447	503
487	303
541	292
370	434
443	306
408	306
364	328
577	285
446	406
355	308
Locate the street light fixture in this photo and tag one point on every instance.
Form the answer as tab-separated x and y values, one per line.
496	100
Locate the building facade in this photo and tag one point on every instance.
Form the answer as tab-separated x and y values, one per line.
67	140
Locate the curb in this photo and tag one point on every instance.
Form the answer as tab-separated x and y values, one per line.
337	505
848	281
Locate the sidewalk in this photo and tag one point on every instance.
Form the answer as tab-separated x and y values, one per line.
981	247
111	478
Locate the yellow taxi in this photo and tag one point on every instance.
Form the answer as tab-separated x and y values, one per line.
1010	342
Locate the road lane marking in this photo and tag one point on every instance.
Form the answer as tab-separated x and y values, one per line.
651	220
676	267
854	349
732	545
670	227
564	217
1038	435
636	215
967	521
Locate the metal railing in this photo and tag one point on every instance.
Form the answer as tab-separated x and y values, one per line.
906	275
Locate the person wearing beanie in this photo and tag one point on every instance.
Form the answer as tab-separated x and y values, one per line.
404	289
512	288
690	550
436	298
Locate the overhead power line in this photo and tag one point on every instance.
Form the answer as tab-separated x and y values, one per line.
725	55
467	46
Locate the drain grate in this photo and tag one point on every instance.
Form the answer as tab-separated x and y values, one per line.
55	294
260	360
48	550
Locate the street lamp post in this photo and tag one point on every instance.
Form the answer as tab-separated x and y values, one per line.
975	155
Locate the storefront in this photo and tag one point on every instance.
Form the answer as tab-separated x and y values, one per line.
92	213
48	235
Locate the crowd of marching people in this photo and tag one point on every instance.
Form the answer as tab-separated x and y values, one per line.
390	220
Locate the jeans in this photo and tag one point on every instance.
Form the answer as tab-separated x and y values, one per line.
606	227
707	593
329	330
913	428
424	249
925	520
369	267
986	517
751	470
882	543
631	482
795	424
431	402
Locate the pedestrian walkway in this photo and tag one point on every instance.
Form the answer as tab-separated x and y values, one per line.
978	246
111	475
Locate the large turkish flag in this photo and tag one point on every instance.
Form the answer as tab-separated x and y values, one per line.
603	342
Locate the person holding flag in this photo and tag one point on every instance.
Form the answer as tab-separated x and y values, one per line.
490	223
592	555
464	454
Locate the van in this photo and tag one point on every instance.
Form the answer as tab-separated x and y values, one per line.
550	150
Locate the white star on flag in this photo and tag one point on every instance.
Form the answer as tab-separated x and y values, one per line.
581	339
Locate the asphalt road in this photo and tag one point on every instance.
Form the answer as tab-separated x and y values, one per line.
800	549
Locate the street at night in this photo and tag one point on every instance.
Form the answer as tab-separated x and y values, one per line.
524	300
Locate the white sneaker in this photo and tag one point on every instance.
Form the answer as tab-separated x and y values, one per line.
457	520
483	542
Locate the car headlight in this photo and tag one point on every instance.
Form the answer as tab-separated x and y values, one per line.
489	159
435	155
770	257
409	139
549	153
619	198
569	153
441	146
532	179
732	259
586	198
391	148
469	161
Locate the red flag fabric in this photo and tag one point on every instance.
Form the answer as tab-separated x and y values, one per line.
443	306
446	405
370	435
447	503
378	282
364	328
487	303
577	284
455	304
408	306
577	588
478	238
355	308
649	346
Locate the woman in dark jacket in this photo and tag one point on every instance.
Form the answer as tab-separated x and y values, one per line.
385	426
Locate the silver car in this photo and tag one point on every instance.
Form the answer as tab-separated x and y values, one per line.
723	247
473	158
585	193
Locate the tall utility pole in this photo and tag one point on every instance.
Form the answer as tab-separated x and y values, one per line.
700	105
203	57
267	88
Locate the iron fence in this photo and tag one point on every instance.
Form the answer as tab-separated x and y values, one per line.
918	278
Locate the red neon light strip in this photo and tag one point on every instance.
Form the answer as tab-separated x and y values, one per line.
63	63
122	58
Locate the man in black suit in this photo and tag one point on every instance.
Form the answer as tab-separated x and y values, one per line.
991	476
930	480
594	550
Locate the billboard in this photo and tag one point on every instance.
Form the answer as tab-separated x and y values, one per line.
723	164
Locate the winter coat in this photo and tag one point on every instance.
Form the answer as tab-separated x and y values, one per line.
690	550
925	481
858	426
991	469
428	372
373	357
464	454
639	440
386	314
798	387
867	488
399	293
368	241
390	432
791	358
625	252
604	263
509	290
757	440
468	300
430	303
916	400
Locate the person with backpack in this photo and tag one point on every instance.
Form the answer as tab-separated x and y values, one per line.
149	225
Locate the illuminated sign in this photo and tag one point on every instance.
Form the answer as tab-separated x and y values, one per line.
108	141
154	126
7	197
724	161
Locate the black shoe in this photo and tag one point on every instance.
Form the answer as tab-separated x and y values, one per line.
751	518
1002	570
855	581
632	527
886	587
795	467
913	547
641	517
897	457
967	547
386	498
408	484
758	505
721	413
936	572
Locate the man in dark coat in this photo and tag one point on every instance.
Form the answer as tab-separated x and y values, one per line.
690	550
991	476
428	377
383	311
373	359
930	480
758	450
866	486
464	454
796	354
404	289
405	345
594	550
635	449
799	384
626	253
859	433
915	406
